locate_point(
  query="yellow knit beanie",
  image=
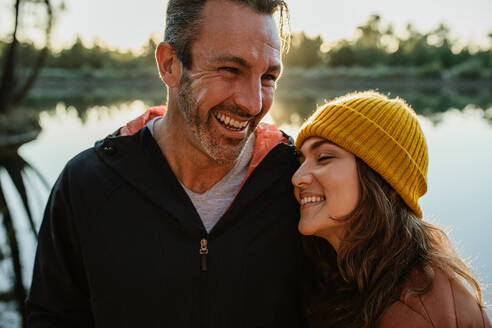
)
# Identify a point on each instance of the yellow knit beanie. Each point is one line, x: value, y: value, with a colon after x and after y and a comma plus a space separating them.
x: 383, y: 132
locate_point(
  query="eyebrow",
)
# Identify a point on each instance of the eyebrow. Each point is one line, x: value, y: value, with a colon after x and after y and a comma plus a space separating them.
x: 240, y: 61
x: 317, y: 144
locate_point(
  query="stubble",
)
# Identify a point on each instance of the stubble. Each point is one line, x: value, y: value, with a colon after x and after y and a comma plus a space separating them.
x: 222, y: 150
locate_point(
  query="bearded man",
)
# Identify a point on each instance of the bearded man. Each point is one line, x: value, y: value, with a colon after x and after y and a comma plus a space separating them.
x: 189, y: 221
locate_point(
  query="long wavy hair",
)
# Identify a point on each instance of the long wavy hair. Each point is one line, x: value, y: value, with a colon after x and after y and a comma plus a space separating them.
x: 384, y: 242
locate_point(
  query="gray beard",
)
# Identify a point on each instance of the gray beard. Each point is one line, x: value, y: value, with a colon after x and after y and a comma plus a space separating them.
x: 196, y: 125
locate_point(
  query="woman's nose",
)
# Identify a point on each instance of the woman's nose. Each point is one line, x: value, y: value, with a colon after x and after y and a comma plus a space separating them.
x: 302, y: 177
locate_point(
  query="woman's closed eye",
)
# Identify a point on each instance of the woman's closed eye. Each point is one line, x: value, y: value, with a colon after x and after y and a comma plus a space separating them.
x: 325, y: 157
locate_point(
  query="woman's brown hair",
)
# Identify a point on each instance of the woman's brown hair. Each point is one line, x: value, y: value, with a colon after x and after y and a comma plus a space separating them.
x: 384, y: 242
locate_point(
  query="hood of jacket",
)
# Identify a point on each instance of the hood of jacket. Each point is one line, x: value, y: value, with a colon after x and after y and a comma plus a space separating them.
x: 267, y: 135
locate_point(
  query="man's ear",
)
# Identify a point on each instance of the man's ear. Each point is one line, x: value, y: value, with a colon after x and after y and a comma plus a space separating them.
x: 169, y: 64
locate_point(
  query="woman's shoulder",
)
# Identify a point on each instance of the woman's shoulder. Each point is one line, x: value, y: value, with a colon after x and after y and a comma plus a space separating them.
x: 400, y: 314
x: 447, y: 303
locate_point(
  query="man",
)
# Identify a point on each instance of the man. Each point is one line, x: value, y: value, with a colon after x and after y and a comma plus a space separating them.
x: 191, y: 221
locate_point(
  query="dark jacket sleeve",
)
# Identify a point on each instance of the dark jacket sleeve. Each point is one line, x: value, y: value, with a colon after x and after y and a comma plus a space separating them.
x: 59, y: 294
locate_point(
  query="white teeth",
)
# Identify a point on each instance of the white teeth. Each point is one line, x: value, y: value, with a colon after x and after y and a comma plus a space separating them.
x: 230, y: 121
x: 311, y: 200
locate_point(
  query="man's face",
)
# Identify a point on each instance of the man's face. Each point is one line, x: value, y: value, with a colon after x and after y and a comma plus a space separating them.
x: 230, y: 86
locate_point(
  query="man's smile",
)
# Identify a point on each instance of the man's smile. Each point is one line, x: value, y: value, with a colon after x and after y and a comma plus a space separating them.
x: 231, y: 123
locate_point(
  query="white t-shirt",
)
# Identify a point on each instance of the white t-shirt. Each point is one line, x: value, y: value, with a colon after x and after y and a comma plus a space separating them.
x: 213, y: 203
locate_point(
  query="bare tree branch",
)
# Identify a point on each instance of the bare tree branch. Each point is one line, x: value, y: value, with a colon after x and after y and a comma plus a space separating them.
x: 19, y: 290
x: 8, y: 82
x: 7, y: 296
x: 22, y: 92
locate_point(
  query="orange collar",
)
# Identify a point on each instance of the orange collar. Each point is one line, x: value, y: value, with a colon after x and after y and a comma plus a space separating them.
x: 267, y: 135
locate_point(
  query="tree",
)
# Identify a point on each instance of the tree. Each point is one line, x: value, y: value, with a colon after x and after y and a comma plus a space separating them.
x: 370, y: 33
x: 368, y: 49
x: 12, y: 89
x: 304, y: 52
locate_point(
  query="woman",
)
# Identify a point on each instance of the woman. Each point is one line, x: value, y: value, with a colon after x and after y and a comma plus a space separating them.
x: 375, y: 262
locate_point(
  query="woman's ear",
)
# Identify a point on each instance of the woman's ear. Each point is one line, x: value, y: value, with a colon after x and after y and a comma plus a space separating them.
x: 169, y: 64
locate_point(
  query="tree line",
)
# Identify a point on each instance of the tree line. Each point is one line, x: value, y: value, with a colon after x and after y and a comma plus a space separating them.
x: 432, y: 54
x: 81, y: 56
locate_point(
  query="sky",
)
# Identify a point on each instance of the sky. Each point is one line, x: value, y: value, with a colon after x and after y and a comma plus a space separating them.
x: 128, y: 24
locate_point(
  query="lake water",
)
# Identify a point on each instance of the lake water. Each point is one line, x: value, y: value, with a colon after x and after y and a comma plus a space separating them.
x: 458, y: 127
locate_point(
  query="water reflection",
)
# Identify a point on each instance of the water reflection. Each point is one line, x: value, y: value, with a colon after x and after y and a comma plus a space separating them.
x: 295, y: 106
x: 15, y: 179
x: 84, y: 95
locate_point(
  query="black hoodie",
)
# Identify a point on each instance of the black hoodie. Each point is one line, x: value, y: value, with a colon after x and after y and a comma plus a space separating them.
x: 121, y: 245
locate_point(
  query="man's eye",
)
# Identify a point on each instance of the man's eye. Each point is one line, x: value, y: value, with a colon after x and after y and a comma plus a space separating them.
x: 229, y: 69
x: 270, y: 77
x: 269, y: 80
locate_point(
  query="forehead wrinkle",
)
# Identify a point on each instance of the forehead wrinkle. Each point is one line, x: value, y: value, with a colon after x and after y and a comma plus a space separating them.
x: 231, y: 58
x: 243, y: 62
x: 260, y: 35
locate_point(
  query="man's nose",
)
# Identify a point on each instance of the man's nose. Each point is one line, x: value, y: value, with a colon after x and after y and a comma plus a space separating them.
x: 302, y: 177
x: 249, y: 96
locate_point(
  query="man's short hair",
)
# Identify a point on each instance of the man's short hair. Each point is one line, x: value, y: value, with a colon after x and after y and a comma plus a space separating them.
x: 183, y: 22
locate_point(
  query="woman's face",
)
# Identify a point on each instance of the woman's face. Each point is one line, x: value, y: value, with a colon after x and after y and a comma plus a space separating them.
x: 327, y: 187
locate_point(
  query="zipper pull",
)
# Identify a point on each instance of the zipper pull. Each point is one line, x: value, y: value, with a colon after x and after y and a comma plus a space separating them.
x: 203, y: 253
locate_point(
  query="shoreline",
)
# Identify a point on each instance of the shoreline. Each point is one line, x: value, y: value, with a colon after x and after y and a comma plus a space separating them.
x: 78, y: 81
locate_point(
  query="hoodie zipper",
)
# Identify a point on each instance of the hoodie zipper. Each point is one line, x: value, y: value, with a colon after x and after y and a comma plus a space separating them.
x: 203, y: 254
x: 204, y: 293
